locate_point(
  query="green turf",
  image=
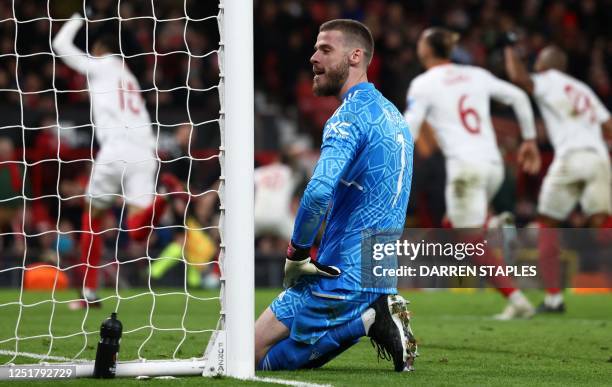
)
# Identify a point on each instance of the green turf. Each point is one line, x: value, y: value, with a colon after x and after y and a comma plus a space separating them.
x: 458, y: 341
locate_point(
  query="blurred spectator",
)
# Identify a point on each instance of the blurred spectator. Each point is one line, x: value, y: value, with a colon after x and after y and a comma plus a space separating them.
x: 11, y: 183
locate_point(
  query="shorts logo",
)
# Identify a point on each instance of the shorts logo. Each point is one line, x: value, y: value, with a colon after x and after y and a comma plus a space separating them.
x: 314, y: 355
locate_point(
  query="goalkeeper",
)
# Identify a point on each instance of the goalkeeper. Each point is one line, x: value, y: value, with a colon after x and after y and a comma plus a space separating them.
x: 126, y: 164
x: 363, y: 176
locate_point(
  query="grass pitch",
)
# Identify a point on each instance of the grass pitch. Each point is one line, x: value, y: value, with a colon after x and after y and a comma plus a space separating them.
x: 459, y: 343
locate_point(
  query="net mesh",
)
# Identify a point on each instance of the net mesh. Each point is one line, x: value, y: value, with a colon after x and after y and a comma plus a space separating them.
x: 48, y: 132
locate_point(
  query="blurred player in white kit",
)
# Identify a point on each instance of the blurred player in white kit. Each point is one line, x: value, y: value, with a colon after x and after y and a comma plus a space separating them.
x: 455, y: 101
x: 275, y: 195
x: 126, y: 164
x: 580, y: 171
x: 274, y: 187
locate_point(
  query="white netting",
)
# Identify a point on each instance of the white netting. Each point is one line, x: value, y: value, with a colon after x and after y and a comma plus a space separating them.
x: 154, y: 285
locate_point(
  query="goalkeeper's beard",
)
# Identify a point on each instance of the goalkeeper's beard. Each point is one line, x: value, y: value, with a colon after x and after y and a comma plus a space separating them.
x: 335, y: 78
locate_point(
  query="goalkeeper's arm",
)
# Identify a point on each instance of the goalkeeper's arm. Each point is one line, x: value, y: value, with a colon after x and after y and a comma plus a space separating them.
x: 308, y: 220
x: 337, y: 152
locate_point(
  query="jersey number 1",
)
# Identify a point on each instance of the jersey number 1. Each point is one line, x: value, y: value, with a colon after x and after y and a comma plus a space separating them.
x: 400, y: 179
x: 472, y: 125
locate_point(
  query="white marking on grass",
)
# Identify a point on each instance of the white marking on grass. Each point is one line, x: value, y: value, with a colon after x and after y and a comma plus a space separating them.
x: 39, y: 356
x: 294, y: 383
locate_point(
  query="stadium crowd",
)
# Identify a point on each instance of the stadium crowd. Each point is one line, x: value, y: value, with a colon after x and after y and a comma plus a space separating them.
x: 284, y: 73
x: 286, y: 110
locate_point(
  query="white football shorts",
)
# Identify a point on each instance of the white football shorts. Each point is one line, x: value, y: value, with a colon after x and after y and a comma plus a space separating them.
x: 470, y: 186
x: 280, y: 226
x: 581, y: 176
x: 113, y: 176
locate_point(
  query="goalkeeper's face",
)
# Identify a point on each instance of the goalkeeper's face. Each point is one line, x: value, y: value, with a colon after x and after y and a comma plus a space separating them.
x: 330, y: 64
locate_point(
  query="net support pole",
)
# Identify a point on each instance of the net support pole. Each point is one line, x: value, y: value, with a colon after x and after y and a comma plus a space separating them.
x: 239, y: 289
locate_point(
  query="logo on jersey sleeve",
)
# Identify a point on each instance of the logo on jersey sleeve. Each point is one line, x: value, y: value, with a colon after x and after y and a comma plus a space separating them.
x: 337, y: 130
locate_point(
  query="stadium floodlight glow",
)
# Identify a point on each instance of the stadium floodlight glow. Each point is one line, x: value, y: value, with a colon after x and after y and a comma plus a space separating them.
x: 230, y: 349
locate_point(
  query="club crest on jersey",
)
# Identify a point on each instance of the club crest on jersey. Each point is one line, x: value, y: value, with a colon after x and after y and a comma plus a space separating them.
x: 335, y: 129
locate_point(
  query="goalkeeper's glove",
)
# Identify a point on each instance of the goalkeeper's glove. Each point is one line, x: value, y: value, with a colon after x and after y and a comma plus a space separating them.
x: 299, y: 263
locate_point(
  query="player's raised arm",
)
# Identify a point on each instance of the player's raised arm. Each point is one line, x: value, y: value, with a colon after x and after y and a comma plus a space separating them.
x: 64, y: 47
x: 517, y: 72
x: 507, y: 93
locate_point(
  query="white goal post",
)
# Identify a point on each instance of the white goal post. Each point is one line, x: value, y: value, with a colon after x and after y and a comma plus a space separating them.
x: 238, y: 301
x: 230, y: 350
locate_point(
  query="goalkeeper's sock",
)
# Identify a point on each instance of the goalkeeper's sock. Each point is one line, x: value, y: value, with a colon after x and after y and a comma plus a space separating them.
x: 139, y: 224
x: 91, y: 249
x: 289, y: 354
x: 324, y: 359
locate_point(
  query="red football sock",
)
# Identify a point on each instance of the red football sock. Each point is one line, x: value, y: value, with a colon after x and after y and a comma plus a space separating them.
x: 504, y: 284
x: 139, y: 224
x: 91, y: 249
x: 604, y: 233
x: 548, y: 247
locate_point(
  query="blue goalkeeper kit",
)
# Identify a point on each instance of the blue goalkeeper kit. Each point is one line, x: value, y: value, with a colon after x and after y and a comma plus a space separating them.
x: 364, y: 172
x: 360, y: 186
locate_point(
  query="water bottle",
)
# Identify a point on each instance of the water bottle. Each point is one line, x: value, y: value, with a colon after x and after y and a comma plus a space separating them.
x: 108, y: 348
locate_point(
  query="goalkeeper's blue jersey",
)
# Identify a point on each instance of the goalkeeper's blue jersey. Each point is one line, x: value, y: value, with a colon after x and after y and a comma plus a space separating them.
x: 361, y: 182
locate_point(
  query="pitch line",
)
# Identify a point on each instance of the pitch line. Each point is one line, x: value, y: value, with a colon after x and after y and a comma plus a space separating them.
x: 294, y: 383
x: 38, y: 356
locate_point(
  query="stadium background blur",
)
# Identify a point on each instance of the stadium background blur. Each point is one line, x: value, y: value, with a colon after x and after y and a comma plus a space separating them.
x: 286, y: 112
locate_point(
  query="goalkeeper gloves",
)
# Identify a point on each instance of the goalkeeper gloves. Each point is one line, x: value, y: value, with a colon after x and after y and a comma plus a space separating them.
x: 299, y: 263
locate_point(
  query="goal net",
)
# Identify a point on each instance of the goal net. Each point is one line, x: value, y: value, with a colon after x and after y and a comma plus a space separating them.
x: 184, y: 292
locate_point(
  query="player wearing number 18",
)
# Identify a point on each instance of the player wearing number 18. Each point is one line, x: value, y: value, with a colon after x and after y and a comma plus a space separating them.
x: 455, y: 100
x: 126, y: 163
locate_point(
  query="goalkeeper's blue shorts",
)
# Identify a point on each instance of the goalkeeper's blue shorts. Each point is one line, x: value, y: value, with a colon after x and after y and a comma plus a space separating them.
x: 309, y: 316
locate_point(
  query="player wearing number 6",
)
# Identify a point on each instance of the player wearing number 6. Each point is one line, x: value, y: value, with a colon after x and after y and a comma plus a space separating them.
x: 126, y: 163
x: 455, y: 100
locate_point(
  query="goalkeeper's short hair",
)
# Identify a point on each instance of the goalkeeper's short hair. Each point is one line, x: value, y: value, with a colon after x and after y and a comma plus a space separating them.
x: 355, y: 31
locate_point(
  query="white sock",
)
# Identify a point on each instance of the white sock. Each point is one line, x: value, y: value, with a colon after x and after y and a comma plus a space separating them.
x: 553, y: 300
x: 368, y: 318
x: 89, y: 294
x: 517, y: 298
